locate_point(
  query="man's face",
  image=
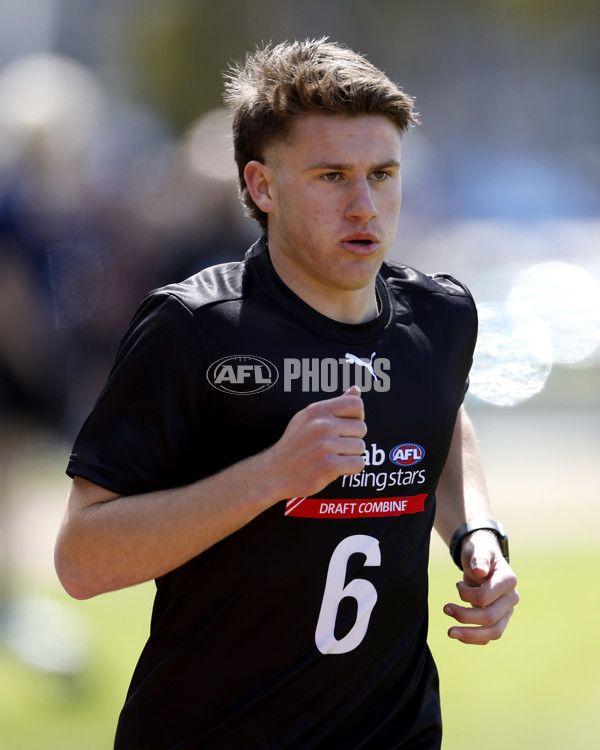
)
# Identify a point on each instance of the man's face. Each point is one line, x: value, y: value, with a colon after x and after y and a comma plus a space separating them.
x: 335, y: 194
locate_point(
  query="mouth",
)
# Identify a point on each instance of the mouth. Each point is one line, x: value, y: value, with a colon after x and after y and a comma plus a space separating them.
x: 361, y: 244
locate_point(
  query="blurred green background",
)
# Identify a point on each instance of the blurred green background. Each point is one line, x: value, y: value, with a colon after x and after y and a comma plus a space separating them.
x: 116, y: 177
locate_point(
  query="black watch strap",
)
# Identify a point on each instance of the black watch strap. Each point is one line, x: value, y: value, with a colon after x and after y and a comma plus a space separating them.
x: 468, y: 528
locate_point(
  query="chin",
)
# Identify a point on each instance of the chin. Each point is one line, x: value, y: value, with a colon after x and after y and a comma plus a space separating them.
x: 361, y: 273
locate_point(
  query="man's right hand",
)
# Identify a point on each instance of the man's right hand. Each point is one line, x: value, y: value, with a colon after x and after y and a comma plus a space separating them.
x: 322, y: 442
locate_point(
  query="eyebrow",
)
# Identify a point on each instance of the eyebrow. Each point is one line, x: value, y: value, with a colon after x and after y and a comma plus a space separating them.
x: 332, y: 167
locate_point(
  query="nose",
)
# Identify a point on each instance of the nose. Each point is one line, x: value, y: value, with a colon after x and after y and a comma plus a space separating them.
x: 360, y: 203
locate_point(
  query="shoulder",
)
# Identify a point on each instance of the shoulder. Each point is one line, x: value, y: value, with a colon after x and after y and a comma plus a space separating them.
x: 430, y: 300
x: 399, y: 277
x: 223, y: 283
x: 212, y: 285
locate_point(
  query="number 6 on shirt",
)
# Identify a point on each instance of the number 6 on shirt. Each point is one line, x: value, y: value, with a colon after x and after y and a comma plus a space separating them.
x: 359, y: 589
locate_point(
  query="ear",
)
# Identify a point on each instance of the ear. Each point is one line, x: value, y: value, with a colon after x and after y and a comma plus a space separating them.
x: 258, y: 181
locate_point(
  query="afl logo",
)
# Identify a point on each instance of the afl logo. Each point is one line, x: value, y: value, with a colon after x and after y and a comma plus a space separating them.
x: 407, y: 454
x: 242, y: 374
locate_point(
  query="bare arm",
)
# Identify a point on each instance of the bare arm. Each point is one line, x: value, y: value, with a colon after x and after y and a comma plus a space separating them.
x: 462, y: 493
x: 489, y: 584
x: 108, y: 542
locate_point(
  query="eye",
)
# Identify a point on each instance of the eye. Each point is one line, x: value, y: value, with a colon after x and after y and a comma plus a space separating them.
x: 380, y: 175
x: 331, y: 176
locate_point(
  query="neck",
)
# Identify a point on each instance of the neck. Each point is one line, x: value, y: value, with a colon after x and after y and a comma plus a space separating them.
x: 345, y: 306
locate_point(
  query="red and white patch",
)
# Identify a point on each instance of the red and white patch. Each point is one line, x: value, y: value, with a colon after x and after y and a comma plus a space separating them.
x: 311, y: 507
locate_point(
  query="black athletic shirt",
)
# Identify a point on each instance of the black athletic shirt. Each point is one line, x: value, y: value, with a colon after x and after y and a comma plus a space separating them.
x: 306, y: 628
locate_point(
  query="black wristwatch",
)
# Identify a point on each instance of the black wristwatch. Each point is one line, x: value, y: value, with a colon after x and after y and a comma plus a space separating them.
x: 468, y: 528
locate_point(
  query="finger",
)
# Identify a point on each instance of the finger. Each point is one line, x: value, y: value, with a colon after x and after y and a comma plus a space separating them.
x: 477, y: 595
x: 480, y: 636
x: 479, y: 566
x: 351, y: 428
x: 478, y: 554
x: 486, y: 616
x: 348, y: 464
x: 501, y: 583
x: 341, y: 407
x: 350, y: 404
x: 350, y: 446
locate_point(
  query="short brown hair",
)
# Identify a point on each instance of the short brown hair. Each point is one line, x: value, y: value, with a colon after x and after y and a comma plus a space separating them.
x: 277, y: 84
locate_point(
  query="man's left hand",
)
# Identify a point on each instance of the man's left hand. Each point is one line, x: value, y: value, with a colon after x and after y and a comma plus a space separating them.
x: 489, y: 585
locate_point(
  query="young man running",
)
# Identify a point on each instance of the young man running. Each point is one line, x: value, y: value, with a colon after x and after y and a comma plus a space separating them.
x: 278, y: 437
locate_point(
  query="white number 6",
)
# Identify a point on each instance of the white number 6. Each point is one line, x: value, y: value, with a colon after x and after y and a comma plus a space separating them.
x: 360, y: 589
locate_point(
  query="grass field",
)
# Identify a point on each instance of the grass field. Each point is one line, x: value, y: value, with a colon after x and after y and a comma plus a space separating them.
x: 538, y: 687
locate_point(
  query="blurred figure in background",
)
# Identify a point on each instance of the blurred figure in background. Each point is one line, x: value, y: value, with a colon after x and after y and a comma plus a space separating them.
x: 50, y: 109
x: 98, y: 205
x: 196, y: 213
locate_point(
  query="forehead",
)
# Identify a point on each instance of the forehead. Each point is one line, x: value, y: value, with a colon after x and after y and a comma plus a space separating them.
x: 327, y: 138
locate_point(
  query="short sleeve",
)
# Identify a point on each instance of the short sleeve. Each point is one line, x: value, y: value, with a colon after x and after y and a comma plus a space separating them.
x: 453, y: 286
x: 144, y: 430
